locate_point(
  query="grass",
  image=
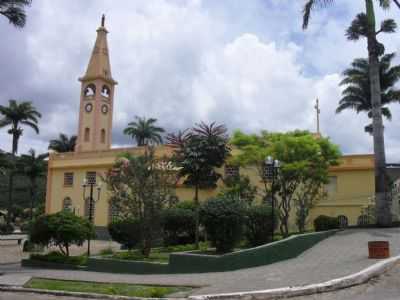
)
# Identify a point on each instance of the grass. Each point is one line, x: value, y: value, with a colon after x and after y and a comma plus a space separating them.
x: 159, y: 255
x: 121, y: 289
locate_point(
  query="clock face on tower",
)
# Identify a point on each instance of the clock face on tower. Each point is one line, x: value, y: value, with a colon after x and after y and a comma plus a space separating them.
x: 88, y: 107
x: 104, y: 109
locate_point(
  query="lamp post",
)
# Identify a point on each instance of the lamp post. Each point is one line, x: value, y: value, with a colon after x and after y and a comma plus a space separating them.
x: 271, y: 173
x: 91, y: 185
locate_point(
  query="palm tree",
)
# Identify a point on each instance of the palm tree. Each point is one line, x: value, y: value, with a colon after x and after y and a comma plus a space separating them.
x: 375, y: 49
x: 14, y: 11
x: 357, y: 94
x: 15, y: 115
x: 33, y: 167
x: 144, y: 131
x: 63, y: 143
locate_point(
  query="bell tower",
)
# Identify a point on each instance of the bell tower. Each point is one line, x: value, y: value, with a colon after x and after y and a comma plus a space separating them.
x: 97, y: 98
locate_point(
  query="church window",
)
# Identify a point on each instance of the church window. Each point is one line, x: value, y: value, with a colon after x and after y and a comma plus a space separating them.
x: 103, y: 136
x: 90, y: 90
x: 91, y: 177
x: 68, y: 179
x: 113, y: 212
x: 343, y: 221
x: 105, y: 91
x: 331, y: 187
x: 87, y: 134
x: 67, y: 204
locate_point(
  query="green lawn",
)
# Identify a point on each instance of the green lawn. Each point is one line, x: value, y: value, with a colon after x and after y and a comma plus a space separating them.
x: 121, y: 289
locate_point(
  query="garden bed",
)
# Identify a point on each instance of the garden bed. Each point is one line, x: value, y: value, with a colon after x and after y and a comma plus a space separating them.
x: 120, y: 289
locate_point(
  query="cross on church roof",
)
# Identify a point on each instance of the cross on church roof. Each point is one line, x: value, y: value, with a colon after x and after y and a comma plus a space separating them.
x: 103, y: 20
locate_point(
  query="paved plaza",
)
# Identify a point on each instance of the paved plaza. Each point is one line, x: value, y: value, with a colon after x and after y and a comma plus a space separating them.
x: 342, y: 254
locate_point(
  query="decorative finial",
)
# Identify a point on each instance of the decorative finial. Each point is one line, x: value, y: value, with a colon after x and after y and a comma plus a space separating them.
x: 103, y: 20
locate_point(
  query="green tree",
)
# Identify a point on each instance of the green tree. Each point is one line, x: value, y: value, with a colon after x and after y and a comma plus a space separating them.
x: 63, y: 143
x: 14, y: 11
x: 140, y: 188
x: 375, y: 49
x: 300, y: 154
x: 144, y: 131
x: 33, y: 167
x: 15, y: 115
x: 61, y: 229
x: 357, y: 94
x: 197, y: 153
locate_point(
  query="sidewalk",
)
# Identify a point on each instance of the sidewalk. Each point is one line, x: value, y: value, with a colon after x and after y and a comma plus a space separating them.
x: 342, y: 254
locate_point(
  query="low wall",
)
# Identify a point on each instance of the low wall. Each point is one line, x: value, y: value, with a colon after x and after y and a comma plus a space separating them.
x: 190, y: 262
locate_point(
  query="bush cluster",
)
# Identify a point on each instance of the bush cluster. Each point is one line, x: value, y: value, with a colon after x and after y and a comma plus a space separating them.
x: 258, y: 223
x: 223, y: 219
x: 59, y: 258
x: 178, y: 226
x: 127, y: 232
x: 6, y: 228
x: 323, y: 222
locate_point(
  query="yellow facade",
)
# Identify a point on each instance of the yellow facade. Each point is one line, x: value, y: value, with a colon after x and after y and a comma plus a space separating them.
x: 350, y: 191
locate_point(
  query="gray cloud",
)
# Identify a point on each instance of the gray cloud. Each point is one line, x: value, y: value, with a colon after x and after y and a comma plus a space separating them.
x: 246, y: 64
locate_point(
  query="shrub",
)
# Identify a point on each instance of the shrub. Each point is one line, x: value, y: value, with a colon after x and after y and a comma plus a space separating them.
x: 223, y: 219
x: 126, y: 232
x: 6, y: 228
x: 57, y: 257
x: 186, y: 204
x: 25, y: 226
x: 61, y: 229
x: 259, y: 224
x: 178, y: 226
x: 322, y: 223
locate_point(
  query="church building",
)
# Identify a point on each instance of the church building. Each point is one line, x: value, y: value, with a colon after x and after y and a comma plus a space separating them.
x: 350, y: 191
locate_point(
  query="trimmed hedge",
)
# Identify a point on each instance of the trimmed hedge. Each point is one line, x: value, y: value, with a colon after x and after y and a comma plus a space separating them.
x: 322, y: 223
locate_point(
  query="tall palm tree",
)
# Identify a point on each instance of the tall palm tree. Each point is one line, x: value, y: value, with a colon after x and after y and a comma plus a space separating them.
x: 33, y: 167
x: 63, y: 143
x: 357, y: 94
x: 144, y: 131
x: 375, y: 49
x: 15, y: 115
x: 14, y: 11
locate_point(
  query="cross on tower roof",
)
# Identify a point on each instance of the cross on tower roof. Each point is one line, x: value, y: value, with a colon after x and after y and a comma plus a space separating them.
x: 103, y: 20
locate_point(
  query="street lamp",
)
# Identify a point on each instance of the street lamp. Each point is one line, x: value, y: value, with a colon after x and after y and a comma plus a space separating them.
x: 271, y: 173
x: 91, y: 185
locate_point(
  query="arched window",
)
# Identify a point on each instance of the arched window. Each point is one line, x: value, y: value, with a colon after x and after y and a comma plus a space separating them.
x: 90, y: 90
x: 363, y: 220
x: 105, y: 91
x: 103, y: 136
x: 343, y: 221
x: 87, y: 134
x: 67, y: 204
x: 87, y: 208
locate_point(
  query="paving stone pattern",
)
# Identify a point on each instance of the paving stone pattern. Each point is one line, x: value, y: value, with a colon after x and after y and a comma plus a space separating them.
x: 342, y: 254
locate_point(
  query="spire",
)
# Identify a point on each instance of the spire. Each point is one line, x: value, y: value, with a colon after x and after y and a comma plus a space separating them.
x: 99, y: 64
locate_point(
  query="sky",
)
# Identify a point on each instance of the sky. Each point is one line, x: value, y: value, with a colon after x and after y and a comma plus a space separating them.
x: 246, y: 64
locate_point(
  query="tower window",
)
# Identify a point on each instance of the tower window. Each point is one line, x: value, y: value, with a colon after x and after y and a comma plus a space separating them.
x: 87, y: 134
x: 105, y: 91
x: 103, y: 136
x: 90, y: 90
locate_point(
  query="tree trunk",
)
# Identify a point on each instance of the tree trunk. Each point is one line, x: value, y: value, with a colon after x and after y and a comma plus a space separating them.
x: 14, y: 150
x: 383, y: 213
x: 197, y: 216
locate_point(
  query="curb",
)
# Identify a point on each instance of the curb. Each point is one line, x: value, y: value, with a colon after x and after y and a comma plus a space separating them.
x: 75, y: 294
x: 328, y: 286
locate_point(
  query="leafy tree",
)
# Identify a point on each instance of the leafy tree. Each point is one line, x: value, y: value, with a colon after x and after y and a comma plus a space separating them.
x: 178, y: 226
x: 14, y: 11
x: 15, y: 115
x: 197, y: 153
x: 144, y: 131
x: 33, y: 167
x: 140, y: 187
x: 365, y: 26
x: 63, y: 143
x: 240, y: 188
x: 61, y: 229
x: 300, y: 153
x: 223, y: 219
